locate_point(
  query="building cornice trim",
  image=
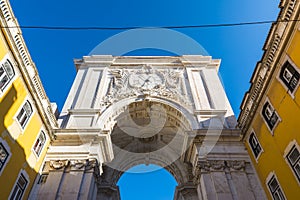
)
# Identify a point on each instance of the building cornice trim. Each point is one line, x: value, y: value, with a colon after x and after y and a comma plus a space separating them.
x: 275, y: 44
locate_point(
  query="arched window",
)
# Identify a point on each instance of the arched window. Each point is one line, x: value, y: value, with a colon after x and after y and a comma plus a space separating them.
x: 289, y: 76
x: 6, y: 74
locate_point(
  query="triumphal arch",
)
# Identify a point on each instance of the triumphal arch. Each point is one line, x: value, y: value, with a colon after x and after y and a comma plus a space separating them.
x: 171, y: 111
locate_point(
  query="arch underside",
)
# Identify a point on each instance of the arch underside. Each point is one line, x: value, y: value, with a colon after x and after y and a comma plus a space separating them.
x: 108, y: 118
x: 141, y: 143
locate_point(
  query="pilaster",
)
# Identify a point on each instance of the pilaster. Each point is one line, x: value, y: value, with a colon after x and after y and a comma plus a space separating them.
x: 224, y: 179
x: 68, y: 179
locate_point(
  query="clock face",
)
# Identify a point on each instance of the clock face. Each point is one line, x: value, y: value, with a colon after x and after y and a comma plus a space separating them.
x: 145, y: 81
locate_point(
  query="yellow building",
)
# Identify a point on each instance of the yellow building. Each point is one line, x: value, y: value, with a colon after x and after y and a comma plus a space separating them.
x: 25, y: 112
x: 270, y: 111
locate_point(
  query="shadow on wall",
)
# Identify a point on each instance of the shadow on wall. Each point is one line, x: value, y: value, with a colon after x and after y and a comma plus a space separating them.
x: 16, y: 162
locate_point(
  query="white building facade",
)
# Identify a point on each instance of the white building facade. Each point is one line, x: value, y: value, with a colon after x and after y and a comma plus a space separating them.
x: 168, y: 111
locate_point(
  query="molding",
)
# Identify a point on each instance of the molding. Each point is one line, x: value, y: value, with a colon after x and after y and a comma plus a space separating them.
x: 81, y: 144
x: 181, y: 61
x: 210, y: 113
x: 84, y: 111
x: 226, y: 134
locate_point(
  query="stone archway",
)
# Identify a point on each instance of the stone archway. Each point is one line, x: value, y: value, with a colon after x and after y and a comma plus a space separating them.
x: 165, y: 148
x: 198, y: 142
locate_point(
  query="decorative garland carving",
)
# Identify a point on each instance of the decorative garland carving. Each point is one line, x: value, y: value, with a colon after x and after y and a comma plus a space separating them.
x: 217, y: 166
x: 77, y: 164
x: 204, y: 166
x: 85, y: 164
x: 59, y: 164
x: 236, y: 165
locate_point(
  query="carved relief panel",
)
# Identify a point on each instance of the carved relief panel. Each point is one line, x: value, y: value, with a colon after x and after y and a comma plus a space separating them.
x: 146, y: 80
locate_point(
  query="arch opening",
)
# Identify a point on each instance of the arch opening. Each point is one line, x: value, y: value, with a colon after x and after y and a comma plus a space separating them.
x: 148, y: 133
x: 138, y: 183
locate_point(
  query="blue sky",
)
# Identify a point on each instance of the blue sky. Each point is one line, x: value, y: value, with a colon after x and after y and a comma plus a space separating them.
x: 53, y: 51
x: 158, y: 184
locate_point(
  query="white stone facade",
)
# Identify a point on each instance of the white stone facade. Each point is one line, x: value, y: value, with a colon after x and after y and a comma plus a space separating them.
x: 169, y: 111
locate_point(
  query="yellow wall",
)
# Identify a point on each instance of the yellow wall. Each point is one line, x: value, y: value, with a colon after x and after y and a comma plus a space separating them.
x: 288, y: 129
x: 21, y: 148
x: 3, y: 47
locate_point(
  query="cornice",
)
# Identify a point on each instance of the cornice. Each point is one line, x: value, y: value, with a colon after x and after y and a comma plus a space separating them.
x: 274, y: 46
x: 176, y: 61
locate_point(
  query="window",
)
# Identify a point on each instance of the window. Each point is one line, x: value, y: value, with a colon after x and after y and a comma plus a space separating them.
x: 24, y: 114
x: 3, y: 156
x: 39, y: 143
x: 254, y: 144
x: 43, y: 179
x: 270, y: 115
x: 275, y: 189
x: 293, y: 158
x: 290, y: 76
x: 6, y: 74
x: 19, y: 188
